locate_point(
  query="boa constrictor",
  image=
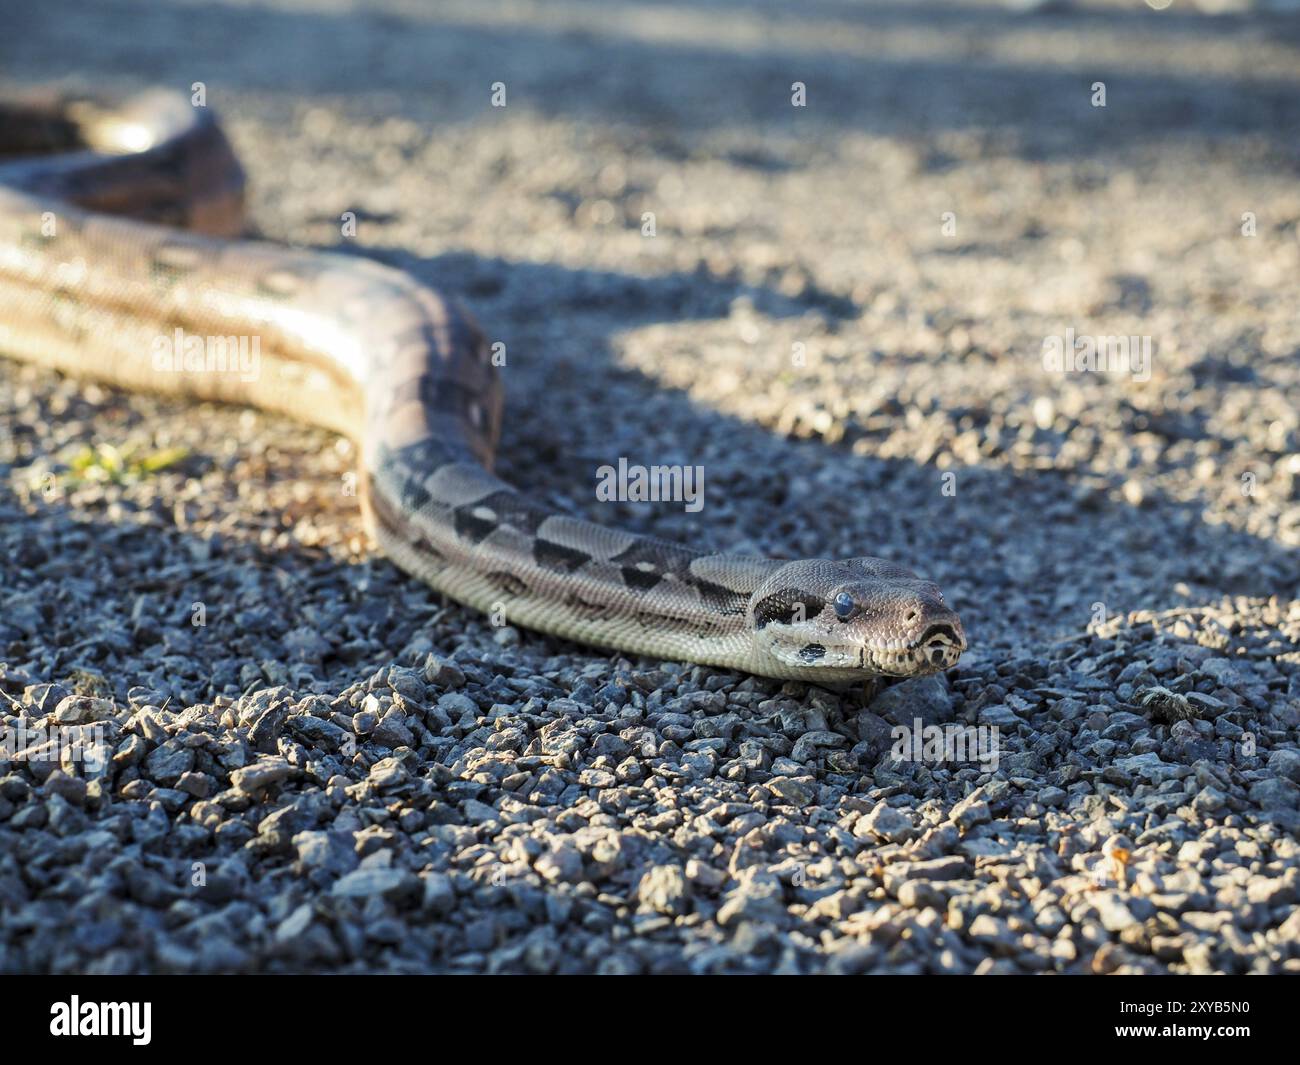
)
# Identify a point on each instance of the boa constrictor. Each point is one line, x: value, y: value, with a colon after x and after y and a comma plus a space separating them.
x: 368, y: 351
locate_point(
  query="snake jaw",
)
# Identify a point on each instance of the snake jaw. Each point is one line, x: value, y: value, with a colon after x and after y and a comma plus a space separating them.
x: 937, y: 649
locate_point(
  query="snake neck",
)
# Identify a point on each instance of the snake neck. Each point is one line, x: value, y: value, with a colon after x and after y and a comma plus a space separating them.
x: 476, y: 538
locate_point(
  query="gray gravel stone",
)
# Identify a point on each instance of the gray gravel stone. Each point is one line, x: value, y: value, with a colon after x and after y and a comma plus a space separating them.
x: 1285, y: 762
x: 925, y: 698
x: 885, y: 823
x: 261, y: 774
x: 365, y: 883
x: 663, y: 890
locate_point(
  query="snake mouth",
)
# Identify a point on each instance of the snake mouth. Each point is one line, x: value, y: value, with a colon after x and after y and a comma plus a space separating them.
x: 936, y: 649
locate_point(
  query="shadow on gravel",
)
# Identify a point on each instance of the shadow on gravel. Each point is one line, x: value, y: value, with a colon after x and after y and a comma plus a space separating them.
x: 1028, y: 535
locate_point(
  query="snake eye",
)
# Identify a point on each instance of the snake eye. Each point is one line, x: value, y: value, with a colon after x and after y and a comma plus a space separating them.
x: 844, y: 605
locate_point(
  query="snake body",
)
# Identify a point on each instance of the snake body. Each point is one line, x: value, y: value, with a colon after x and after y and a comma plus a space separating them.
x: 119, y: 244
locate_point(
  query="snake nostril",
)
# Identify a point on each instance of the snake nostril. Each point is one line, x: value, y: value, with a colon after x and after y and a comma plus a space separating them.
x: 912, y: 615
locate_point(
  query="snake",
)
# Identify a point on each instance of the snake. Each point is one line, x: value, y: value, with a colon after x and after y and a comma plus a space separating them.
x: 124, y: 258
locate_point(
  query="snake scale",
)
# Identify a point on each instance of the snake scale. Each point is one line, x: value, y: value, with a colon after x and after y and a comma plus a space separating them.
x: 119, y: 227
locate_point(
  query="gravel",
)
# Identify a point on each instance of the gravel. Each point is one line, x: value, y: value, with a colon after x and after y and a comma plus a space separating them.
x: 336, y: 770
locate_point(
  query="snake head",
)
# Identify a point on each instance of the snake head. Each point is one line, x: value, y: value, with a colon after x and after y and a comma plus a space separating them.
x: 861, y: 616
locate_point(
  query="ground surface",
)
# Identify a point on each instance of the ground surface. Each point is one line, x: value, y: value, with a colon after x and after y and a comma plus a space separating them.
x: 514, y: 803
